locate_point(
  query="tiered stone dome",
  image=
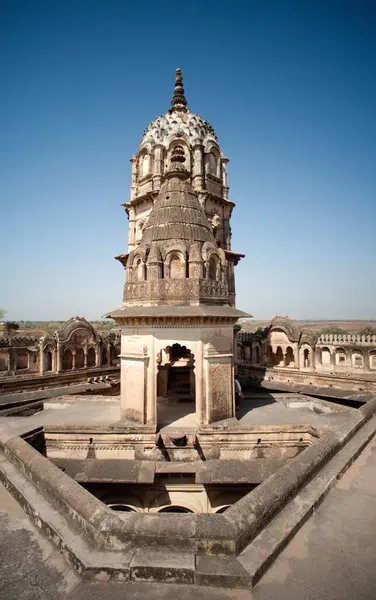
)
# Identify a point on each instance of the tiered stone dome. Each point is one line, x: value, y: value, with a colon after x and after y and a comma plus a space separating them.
x: 177, y: 260
x: 177, y: 213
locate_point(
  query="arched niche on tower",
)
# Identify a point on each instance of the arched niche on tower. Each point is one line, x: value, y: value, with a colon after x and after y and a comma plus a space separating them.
x: 214, y: 261
x: 137, y: 266
x: 182, y: 142
x: 175, y: 264
x: 145, y: 161
x: 212, y: 160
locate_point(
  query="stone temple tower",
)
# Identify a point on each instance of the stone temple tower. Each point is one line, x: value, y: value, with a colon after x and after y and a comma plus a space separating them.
x: 178, y: 315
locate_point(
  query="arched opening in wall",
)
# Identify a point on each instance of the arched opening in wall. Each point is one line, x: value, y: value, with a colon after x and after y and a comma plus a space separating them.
x: 279, y: 357
x: 325, y: 357
x: 175, y: 386
x: 340, y: 357
x: 144, y: 167
x: 3, y: 361
x: 48, y: 360
x: 91, y: 357
x: 175, y: 509
x: 104, y: 356
x: 22, y: 359
x: 121, y: 507
x: 357, y: 359
x: 211, y: 163
x: 306, y: 359
x: 80, y: 358
x: 214, y: 267
x: 222, y: 509
x: 257, y: 355
x: 290, y: 358
x: 138, y: 270
x: 177, y: 267
x: 270, y: 356
x: 67, y: 363
x: 372, y: 359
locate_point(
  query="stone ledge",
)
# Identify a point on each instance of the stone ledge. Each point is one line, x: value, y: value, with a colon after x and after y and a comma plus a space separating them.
x: 149, y: 565
x: 213, y: 535
x: 258, y: 556
x: 221, y: 571
x: 171, y: 566
x: 88, y: 562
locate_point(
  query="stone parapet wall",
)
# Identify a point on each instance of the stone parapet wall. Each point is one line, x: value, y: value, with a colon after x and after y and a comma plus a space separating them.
x: 173, y: 291
x: 284, y: 346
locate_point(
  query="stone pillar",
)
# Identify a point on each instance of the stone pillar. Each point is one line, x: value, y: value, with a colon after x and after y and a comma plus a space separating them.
x: 74, y: 360
x: 58, y: 358
x: 224, y: 162
x: 133, y: 176
x: 219, y: 375
x: 97, y: 356
x: 131, y: 233
x: 158, y: 166
x: 85, y: 358
x: 197, y: 171
x: 296, y: 357
x: 41, y: 360
x: 136, y: 398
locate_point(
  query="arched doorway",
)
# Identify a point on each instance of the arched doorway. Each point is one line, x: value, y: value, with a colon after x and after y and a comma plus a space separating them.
x: 121, y: 507
x: 325, y: 357
x: 279, y: 357
x: 290, y: 359
x: 91, y: 357
x: 306, y: 361
x: 222, y: 509
x: 80, y: 358
x: 175, y: 384
x: 270, y: 356
x: 48, y: 360
x: 67, y: 360
x: 175, y: 509
x: 104, y: 356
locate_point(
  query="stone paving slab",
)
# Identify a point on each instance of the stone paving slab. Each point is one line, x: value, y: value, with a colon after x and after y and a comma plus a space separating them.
x: 150, y: 565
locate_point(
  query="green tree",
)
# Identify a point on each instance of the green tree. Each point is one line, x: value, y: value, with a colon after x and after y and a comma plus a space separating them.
x: 2, y: 313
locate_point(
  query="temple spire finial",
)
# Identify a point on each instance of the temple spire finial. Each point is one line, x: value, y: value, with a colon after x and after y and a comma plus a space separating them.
x: 178, y: 101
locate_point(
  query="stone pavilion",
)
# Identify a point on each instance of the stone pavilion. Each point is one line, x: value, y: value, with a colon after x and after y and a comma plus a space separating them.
x: 178, y: 314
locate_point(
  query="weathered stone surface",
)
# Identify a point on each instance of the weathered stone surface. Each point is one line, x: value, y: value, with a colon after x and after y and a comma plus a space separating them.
x: 149, y: 565
x: 221, y: 572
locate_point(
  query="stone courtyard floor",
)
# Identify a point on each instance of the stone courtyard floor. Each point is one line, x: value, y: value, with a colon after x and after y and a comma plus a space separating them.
x: 256, y: 409
x: 332, y: 557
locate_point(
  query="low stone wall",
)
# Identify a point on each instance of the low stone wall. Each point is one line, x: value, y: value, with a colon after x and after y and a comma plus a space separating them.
x: 200, y: 533
x: 324, y: 384
x: 34, y: 381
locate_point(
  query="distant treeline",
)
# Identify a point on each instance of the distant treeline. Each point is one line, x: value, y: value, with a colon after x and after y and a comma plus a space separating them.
x: 53, y: 325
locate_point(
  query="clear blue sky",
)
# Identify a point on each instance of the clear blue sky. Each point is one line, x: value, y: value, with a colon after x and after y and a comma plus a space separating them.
x: 289, y: 87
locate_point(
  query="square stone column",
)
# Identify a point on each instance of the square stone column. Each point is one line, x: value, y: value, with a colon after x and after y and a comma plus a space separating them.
x: 219, y: 380
x: 133, y: 379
